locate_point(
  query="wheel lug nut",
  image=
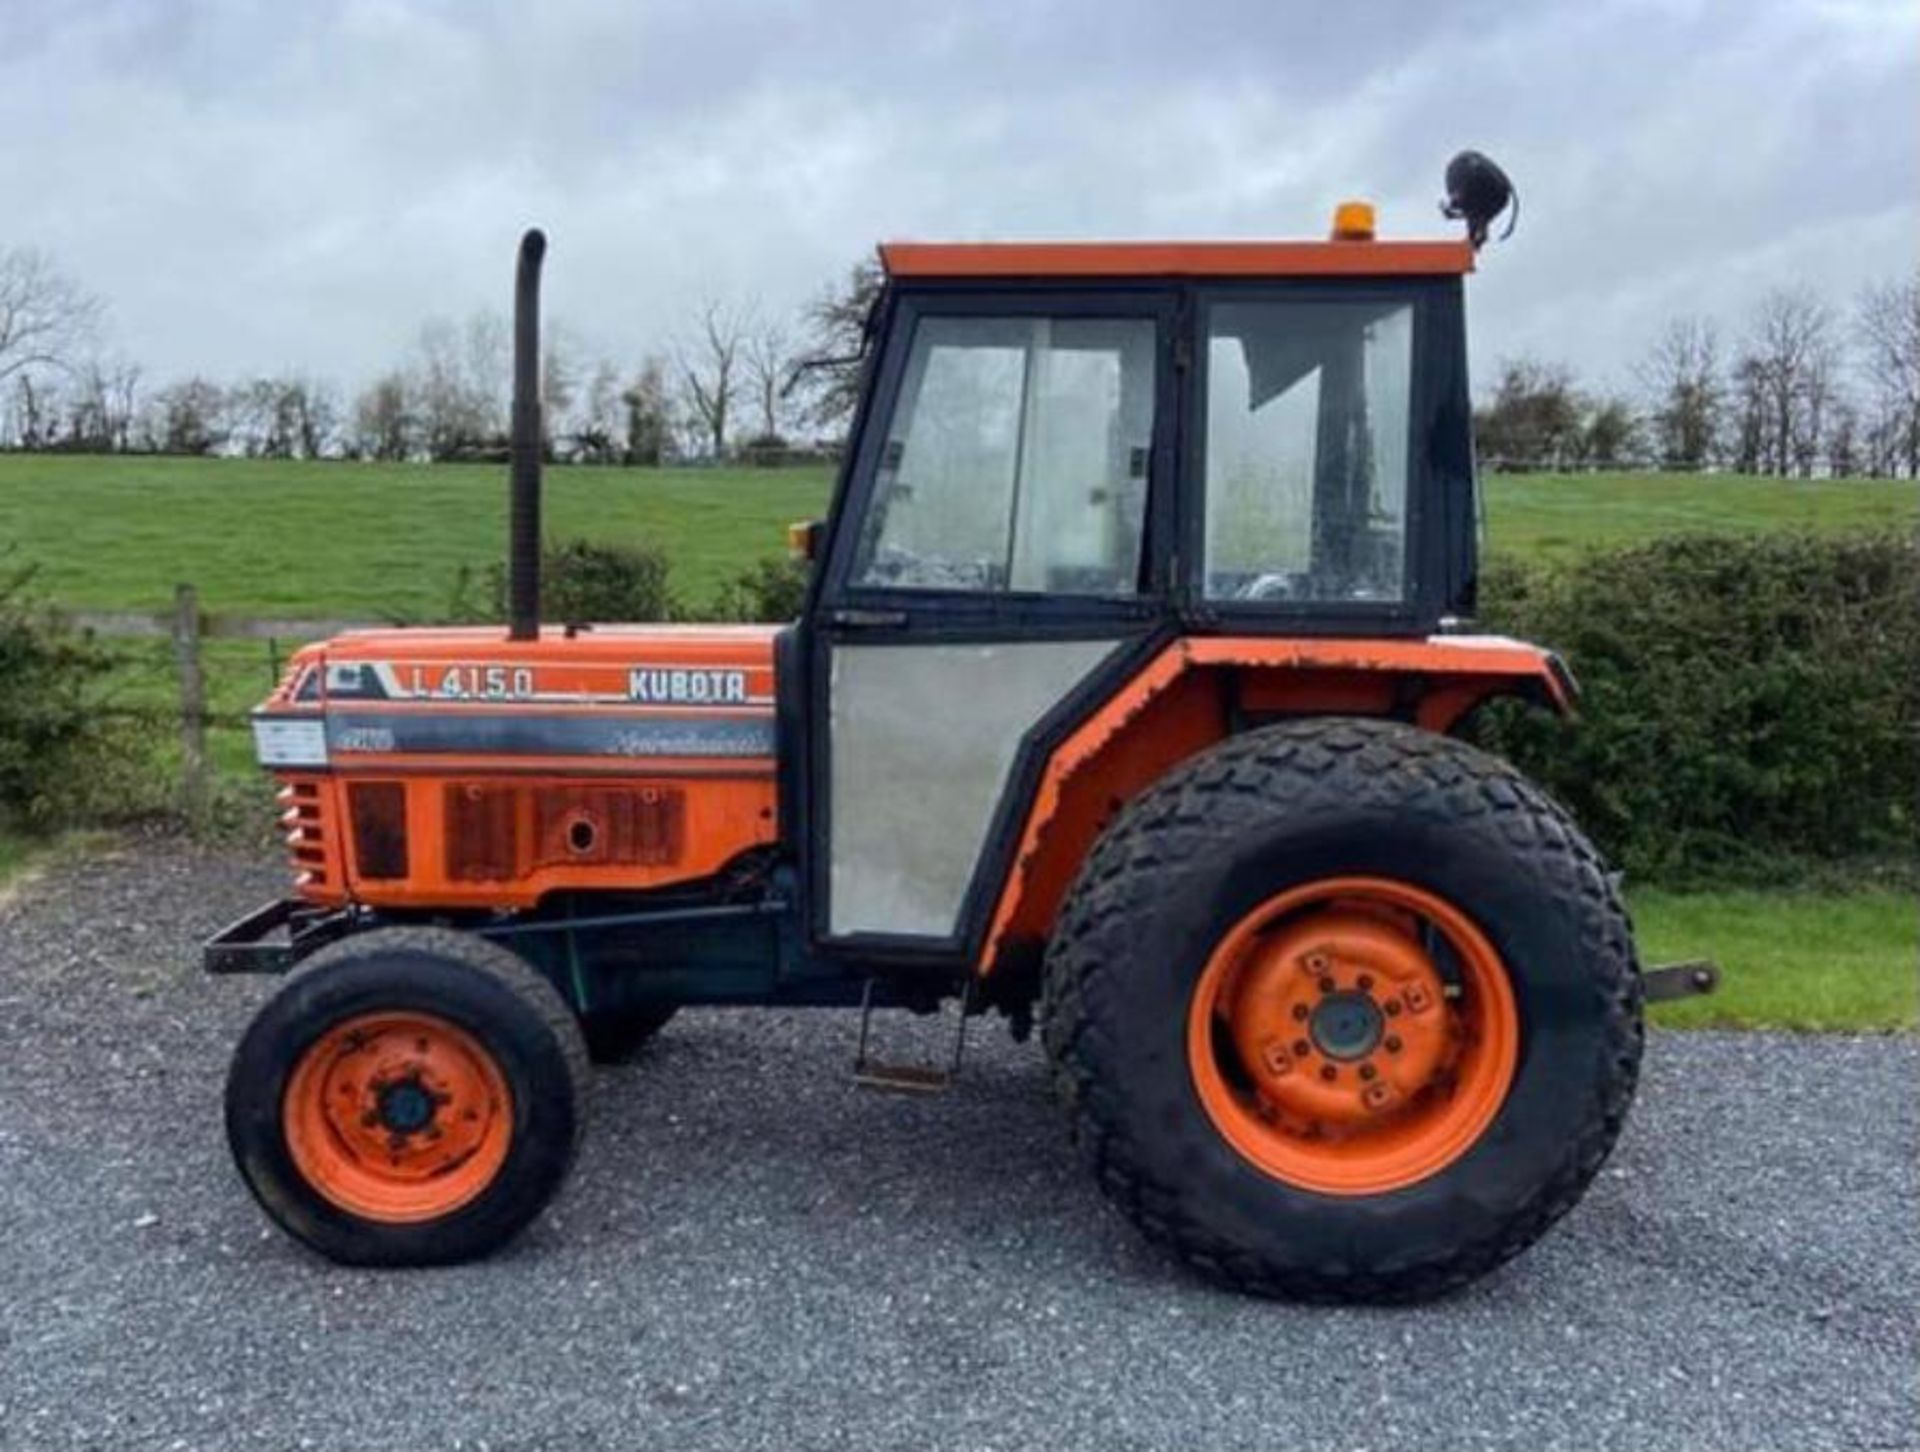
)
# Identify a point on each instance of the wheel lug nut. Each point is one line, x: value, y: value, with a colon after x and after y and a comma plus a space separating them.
x: 1329, y: 1073
x: 1326, y: 985
x: 1392, y: 1006
x: 1302, y: 1048
x: 1366, y: 982
x: 1393, y: 1043
x: 1300, y: 1013
x: 1367, y: 1071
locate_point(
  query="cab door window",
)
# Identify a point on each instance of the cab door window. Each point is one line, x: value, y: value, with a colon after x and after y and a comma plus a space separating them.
x: 1015, y: 458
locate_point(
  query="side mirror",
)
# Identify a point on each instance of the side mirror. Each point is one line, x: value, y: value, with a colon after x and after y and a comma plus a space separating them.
x: 803, y: 539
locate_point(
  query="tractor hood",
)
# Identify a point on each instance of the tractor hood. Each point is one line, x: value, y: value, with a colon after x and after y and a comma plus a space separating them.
x: 624, y: 692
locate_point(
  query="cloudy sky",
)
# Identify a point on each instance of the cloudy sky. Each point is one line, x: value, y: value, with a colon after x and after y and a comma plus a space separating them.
x: 299, y: 183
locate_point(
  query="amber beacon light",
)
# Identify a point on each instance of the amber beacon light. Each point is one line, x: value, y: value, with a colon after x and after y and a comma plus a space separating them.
x: 1353, y: 222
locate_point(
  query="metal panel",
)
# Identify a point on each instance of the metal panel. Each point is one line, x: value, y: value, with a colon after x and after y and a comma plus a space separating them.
x: 924, y: 738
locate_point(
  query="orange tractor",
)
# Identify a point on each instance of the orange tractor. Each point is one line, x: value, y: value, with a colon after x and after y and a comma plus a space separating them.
x: 1125, y: 693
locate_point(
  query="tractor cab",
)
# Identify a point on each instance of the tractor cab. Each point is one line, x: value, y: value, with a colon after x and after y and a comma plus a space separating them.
x: 1071, y: 456
x: 1227, y: 432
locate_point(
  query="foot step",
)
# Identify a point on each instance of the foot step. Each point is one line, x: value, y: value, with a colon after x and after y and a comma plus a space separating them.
x: 870, y: 1073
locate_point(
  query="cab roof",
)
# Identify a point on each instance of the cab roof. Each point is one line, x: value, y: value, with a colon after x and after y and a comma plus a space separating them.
x: 1175, y: 259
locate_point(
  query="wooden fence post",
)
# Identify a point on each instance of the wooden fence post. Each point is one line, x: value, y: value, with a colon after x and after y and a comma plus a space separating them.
x: 193, y: 702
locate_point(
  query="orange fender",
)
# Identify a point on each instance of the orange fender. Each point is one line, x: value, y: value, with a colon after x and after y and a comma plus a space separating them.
x: 1188, y: 698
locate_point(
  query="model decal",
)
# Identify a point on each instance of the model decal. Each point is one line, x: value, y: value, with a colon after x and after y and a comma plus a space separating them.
x: 458, y: 681
x: 478, y: 734
x: 472, y: 682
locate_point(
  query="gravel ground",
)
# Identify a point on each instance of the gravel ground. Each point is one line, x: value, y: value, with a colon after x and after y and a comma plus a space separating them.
x: 754, y: 1254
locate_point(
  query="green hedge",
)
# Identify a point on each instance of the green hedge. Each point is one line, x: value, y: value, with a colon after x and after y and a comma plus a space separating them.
x: 1748, y: 704
x: 583, y: 581
x: 49, y: 727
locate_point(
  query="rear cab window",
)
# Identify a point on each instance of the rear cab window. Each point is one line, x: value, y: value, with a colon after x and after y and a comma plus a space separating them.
x: 1306, y: 454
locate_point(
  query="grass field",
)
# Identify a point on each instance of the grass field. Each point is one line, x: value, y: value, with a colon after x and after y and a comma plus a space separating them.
x: 386, y: 541
x: 363, y: 541
x: 1791, y: 960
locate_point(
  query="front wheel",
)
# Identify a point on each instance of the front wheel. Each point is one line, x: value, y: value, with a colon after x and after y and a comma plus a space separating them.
x: 409, y: 1096
x: 1344, y: 1010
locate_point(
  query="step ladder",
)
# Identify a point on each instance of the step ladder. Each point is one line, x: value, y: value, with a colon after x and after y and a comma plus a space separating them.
x: 871, y: 1073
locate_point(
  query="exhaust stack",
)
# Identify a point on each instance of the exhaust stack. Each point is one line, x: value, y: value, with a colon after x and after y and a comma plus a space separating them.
x: 523, y: 507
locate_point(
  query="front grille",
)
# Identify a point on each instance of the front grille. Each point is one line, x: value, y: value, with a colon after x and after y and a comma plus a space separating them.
x: 378, y: 810
x: 303, y: 817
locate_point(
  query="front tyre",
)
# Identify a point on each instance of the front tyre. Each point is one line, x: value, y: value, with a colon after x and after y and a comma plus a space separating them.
x: 1343, y: 1010
x: 409, y: 1096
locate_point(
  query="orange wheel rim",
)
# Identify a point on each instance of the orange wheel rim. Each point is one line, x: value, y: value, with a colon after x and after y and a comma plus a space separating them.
x: 398, y: 1116
x: 1339, y: 1047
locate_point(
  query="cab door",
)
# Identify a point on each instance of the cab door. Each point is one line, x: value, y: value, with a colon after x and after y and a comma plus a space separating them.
x: 998, y: 564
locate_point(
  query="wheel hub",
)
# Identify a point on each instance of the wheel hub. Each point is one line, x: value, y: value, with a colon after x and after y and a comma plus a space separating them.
x: 405, y: 1107
x: 1346, y: 1025
x: 398, y: 1116
x: 1339, y: 1019
x: 1328, y: 1050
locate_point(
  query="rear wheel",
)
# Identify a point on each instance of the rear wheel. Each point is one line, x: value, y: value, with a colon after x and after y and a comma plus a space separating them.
x: 410, y: 1096
x: 1344, y: 1010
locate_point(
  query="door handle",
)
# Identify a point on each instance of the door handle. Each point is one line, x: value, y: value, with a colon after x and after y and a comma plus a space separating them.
x: 867, y: 619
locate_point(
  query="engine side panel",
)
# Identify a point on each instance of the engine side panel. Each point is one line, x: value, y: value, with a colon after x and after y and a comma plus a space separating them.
x: 465, y: 770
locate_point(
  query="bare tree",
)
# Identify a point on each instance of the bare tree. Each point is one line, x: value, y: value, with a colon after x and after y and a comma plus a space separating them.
x: 1685, y: 393
x: 45, y: 317
x: 30, y: 412
x: 597, y: 432
x: 837, y: 323
x: 383, y: 420
x: 316, y: 415
x: 1887, y: 324
x: 439, y: 390
x: 1533, y: 420
x: 190, y: 417
x: 559, y: 382
x: 767, y: 358
x: 260, y: 419
x: 1787, y: 374
x: 1819, y: 397
x: 1610, y: 434
x: 489, y: 377
x: 1747, y: 436
x: 460, y: 386
x: 104, y: 403
x: 710, y: 373
x: 1843, y: 451
x: 650, y: 422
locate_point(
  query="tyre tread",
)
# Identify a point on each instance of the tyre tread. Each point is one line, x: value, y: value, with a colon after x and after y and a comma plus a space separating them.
x: 1321, y: 764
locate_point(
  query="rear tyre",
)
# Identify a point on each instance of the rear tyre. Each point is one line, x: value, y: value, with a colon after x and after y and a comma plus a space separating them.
x: 410, y: 1096
x: 1344, y: 1010
x: 615, y: 1037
